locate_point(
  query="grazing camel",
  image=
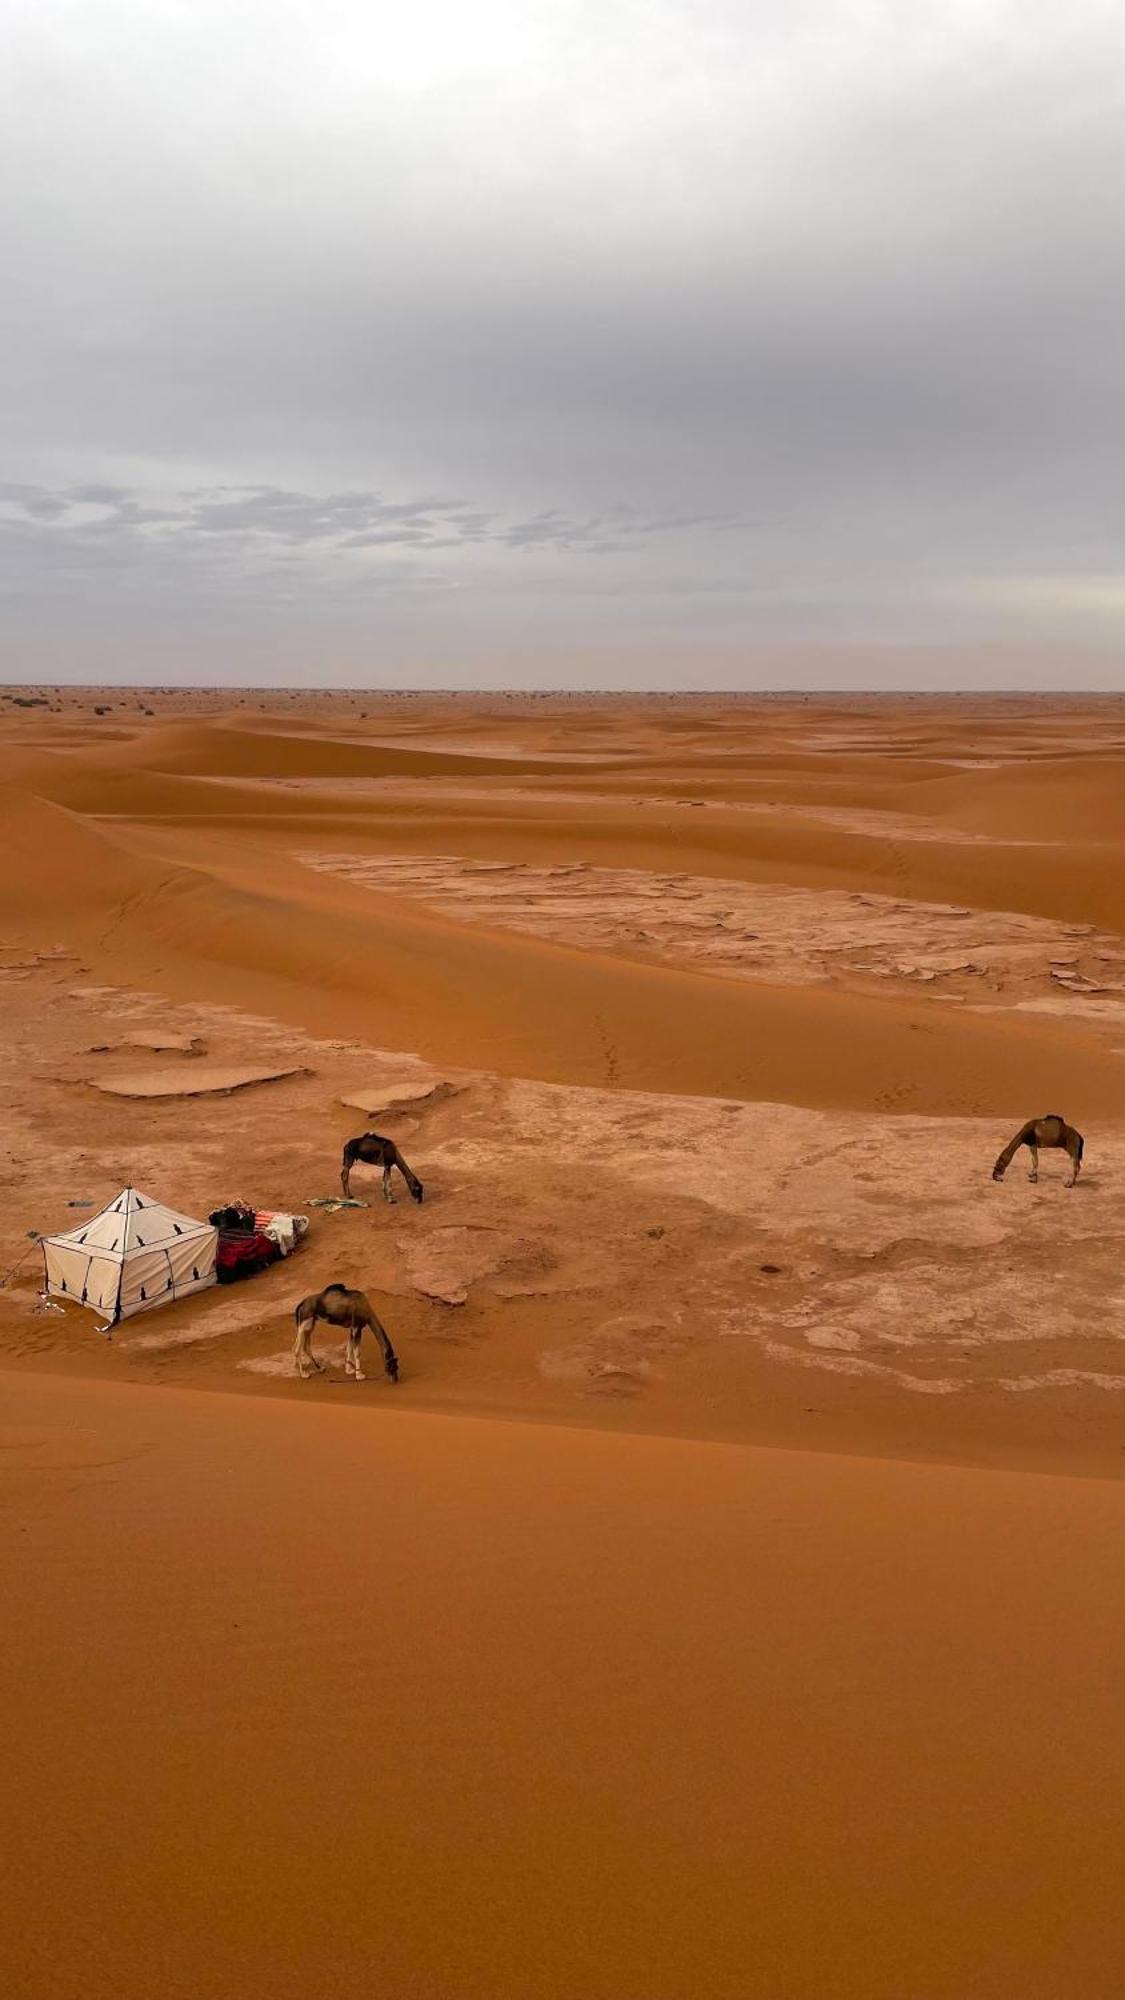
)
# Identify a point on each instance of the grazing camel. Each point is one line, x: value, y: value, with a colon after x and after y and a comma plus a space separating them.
x: 372, y: 1150
x: 1046, y: 1132
x: 338, y: 1306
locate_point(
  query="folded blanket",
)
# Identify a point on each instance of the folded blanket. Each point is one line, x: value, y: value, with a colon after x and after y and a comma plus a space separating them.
x: 240, y: 1255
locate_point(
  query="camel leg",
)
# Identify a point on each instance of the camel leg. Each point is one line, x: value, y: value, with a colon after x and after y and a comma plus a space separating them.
x: 1075, y: 1168
x: 387, y: 1195
x: 414, y: 1185
x: 1034, y: 1174
x: 390, y: 1358
x: 351, y: 1357
x: 346, y: 1180
x: 303, y: 1353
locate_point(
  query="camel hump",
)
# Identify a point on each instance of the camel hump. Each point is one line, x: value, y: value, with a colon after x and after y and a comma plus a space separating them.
x: 1053, y: 1118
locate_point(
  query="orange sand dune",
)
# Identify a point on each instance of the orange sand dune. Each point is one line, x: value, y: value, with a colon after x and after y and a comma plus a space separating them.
x: 60, y: 869
x: 324, y: 1691
x: 197, y: 908
x: 248, y: 752
x: 307, y: 1703
x: 1064, y: 880
x: 281, y: 939
x: 1044, y: 836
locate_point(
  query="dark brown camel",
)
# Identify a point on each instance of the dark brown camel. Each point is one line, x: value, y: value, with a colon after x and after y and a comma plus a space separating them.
x: 338, y: 1306
x: 1046, y: 1133
x: 372, y: 1150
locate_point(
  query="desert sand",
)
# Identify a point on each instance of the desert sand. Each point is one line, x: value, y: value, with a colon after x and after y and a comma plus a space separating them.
x: 726, y: 1598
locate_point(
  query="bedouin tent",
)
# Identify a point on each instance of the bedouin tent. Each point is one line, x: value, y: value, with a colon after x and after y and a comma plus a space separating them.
x: 135, y: 1255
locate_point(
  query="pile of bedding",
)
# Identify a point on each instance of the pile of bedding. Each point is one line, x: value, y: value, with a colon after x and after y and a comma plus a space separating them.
x: 251, y: 1239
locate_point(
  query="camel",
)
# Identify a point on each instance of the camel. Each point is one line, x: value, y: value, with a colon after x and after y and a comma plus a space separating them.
x: 372, y: 1150
x: 338, y: 1306
x: 1046, y: 1132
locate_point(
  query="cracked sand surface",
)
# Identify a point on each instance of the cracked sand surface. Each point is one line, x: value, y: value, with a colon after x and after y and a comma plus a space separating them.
x: 766, y: 932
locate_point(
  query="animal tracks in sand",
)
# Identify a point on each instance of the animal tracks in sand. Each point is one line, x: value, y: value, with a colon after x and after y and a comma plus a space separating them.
x: 61, y: 1448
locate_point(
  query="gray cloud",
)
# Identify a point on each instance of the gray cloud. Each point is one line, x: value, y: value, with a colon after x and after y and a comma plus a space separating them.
x: 702, y: 320
x: 46, y: 531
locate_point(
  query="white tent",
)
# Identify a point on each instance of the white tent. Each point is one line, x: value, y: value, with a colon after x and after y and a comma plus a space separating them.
x: 135, y: 1255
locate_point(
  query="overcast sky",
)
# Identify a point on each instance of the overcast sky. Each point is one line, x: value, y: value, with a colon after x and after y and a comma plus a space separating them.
x: 691, y: 342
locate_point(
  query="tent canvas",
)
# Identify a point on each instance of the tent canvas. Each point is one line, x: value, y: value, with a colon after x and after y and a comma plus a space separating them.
x: 135, y: 1255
